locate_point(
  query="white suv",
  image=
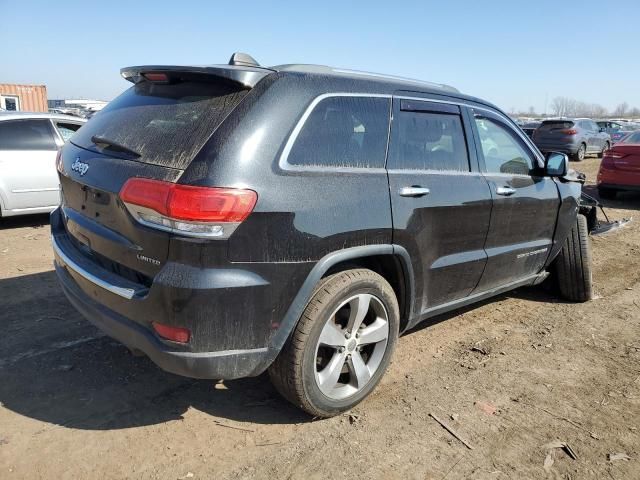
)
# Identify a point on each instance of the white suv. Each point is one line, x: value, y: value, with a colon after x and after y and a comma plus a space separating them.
x: 28, y: 146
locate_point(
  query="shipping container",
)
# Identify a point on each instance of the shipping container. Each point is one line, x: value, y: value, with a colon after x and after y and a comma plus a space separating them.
x: 23, y: 98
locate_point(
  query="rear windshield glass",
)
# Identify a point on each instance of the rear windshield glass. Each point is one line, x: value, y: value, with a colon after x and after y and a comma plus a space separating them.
x: 164, y: 124
x: 553, y: 124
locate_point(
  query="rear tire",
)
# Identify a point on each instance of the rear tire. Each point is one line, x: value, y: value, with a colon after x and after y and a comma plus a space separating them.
x: 580, y: 154
x: 607, y: 193
x: 573, y: 264
x: 324, y: 342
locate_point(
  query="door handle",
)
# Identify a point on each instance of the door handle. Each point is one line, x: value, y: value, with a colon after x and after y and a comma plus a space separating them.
x: 505, y: 191
x: 413, y: 191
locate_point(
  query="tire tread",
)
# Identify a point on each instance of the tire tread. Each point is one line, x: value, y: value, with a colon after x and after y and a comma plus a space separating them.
x: 573, y: 265
x: 286, y: 371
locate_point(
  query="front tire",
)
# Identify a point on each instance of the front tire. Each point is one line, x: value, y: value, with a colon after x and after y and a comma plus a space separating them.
x: 341, y: 346
x: 573, y: 264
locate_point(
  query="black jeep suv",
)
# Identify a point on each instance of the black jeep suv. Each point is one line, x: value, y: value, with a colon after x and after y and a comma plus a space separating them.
x: 231, y: 219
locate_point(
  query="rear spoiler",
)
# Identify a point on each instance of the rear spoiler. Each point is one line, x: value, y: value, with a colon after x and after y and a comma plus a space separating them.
x: 244, y: 76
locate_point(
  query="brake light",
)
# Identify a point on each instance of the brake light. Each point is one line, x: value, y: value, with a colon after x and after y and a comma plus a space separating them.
x: 175, y: 334
x: 569, y: 131
x: 156, y: 77
x: 189, y: 210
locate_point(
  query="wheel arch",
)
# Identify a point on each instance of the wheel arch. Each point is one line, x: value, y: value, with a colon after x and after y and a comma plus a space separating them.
x: 390, y: 261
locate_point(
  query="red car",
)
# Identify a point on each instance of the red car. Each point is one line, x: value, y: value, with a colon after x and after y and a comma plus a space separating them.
x: 620, y: 167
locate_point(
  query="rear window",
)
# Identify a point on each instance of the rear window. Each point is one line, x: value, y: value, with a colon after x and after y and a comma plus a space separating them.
x: 429, y: 141
x: 556, y: 124
x: 164, y: 124
x: 632, y: 138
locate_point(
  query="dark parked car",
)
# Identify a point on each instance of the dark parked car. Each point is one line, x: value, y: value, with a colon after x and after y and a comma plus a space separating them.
x: 576, y: 137
x: 230, y: 219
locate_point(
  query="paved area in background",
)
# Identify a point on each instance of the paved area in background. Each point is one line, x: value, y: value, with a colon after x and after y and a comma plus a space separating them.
x: 510, y: 376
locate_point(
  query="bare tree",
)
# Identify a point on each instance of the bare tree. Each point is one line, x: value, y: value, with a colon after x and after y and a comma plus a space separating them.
x: 561, y: 106
x: 634, y: 112
x: 621, y: 110
x: 598, y: 111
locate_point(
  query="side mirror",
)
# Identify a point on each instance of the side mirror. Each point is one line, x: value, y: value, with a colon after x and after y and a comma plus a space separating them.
x: 556, y: 164
x: 602, y: 130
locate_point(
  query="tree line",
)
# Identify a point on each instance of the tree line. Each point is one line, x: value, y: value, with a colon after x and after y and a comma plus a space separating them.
x: 569, y: 107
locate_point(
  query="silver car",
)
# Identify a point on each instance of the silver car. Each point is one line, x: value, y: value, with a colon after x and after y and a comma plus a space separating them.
x: 29, y: 143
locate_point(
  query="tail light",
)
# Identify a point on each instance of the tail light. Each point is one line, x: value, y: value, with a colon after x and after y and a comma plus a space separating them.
x: 188, y: 210
x: 156, y: 77
x: 569, y: 131
x: 609, y: 158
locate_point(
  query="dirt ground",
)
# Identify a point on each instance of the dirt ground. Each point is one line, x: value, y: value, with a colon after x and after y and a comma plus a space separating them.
x: 510, y: 376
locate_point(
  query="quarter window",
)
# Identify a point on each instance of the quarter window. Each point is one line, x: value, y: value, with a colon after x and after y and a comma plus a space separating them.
x: 503, y: 152
x: 66, y: 130
x: 344, y: 132
x: 429, y: 141
x: 27, y: 135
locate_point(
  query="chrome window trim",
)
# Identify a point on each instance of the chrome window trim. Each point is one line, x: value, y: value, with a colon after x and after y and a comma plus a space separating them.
x: 284, y: 164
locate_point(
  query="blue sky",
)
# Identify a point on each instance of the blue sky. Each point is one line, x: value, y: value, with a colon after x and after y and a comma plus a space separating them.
x: 513, y: 53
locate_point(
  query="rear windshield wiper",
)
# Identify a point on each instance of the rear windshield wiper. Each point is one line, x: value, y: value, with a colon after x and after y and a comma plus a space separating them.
x: 110, y: 145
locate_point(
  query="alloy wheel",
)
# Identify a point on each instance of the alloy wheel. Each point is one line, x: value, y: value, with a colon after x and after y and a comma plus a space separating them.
x: 351, y: 346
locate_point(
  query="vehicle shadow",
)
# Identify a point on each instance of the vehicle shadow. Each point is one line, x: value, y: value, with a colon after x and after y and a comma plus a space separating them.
x: 623, y: 200
x: 57, y: 368
x: 22, y: 221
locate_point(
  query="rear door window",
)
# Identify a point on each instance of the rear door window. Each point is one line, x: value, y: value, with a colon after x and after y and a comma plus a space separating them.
x: 161, y: 124
x: 34, y: 134
x: 343, y: 132
x: 428, y: 140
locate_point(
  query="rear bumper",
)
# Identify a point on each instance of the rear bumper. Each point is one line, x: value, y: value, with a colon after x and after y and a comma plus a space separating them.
x: 231, y: 312
x: 210, y: 365
x: 568, y: 149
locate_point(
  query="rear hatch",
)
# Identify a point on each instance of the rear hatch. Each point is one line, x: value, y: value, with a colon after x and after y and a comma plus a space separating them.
x: 153, y: 130
x: 555, y: 131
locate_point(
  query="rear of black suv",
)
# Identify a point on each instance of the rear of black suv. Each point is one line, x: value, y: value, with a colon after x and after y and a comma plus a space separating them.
x: 175, y: 235
x: 144, y: 256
